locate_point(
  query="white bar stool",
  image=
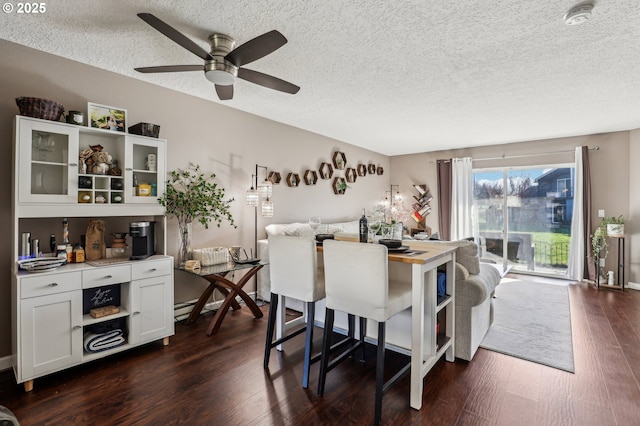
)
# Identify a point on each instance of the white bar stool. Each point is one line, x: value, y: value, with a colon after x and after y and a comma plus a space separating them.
x: 357, y: 282
x: 294, y: 273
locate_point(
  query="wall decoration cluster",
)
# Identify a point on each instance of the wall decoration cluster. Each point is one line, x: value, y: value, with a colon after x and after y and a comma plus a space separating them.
x: 326, y: 171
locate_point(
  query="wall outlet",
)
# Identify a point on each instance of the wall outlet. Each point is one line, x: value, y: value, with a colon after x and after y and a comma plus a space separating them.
x: 601, y: 213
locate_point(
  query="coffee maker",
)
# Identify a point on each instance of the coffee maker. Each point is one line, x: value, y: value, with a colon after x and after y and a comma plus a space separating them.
x: 142, y: 240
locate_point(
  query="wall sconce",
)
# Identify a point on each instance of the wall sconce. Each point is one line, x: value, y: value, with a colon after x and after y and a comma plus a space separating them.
x: 397, y: 198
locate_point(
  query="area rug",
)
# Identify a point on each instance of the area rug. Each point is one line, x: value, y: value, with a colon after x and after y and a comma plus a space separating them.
x: 532, y: 321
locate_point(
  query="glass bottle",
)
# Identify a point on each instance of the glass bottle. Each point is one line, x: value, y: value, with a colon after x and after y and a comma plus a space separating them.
x: 363, y: 227
x: 53, y: 244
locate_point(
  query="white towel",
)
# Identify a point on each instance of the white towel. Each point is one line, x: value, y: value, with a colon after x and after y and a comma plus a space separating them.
x: 103, y: 341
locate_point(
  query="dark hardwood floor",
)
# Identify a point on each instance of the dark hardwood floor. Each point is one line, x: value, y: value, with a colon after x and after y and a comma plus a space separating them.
x: 220, y: 380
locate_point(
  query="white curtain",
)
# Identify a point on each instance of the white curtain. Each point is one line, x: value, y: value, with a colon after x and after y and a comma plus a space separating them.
x: 577, y: 253
x: 462, y: 214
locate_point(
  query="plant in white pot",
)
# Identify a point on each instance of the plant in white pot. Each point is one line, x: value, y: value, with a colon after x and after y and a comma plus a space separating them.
x: 599, y: 244
x: 615, y: 225
x: 192, y: 195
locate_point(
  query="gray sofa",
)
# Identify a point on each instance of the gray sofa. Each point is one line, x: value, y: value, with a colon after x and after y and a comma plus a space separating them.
x: 475, y: 286
x: 474, y: 309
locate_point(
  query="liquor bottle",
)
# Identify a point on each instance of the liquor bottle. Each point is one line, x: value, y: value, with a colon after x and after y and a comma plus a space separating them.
x: 363, y: 227
x: 53, y: 245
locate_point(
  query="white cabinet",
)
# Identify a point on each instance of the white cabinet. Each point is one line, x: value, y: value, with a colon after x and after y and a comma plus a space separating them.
x: 139, y: 174
x: 152, y: 297
x: 52, y: 321
x: 47, y: 156
x: 50, y: 311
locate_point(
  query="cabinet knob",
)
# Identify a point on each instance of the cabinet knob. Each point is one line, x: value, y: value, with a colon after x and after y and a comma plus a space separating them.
x: 75, y: 327
x: 136, y: 313
x: 108, y: 276
x: 53, y: 285
x: 73, y: 164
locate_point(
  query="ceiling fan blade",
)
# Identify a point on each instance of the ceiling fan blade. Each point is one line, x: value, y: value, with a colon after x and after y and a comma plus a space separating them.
x: 175, y: 35
x: 267, y: 81
x: 256, y: 48
x: 224, y: 92
x: 170, y: 68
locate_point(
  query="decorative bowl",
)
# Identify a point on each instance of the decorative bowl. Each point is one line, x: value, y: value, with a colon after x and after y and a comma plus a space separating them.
x: 391, y: 243
x: 321, y: 237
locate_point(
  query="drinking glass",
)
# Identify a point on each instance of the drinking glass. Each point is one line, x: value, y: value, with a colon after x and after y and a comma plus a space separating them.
x: 373, y: 223
x: 314, y: 222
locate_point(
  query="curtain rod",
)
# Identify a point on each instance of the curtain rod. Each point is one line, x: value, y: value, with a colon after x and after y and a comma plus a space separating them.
x: 596, y: 148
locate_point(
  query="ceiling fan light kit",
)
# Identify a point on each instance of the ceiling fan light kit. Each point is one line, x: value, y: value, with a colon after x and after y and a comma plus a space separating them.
x: 578, y: 14
x: 223, y: 64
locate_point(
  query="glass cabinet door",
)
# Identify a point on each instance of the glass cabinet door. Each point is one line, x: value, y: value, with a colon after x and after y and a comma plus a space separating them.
x: 144, y: 170
x: 47, y: 162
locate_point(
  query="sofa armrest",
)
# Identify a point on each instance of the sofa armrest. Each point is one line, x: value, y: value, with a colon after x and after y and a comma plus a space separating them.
x: 470, y: 292
x: 462, y: 273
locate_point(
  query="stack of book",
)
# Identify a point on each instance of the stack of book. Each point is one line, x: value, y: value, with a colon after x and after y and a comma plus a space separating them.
x: 421, y: 208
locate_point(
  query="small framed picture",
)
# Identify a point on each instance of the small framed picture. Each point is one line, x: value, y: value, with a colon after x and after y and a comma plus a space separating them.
x: 106, y: 117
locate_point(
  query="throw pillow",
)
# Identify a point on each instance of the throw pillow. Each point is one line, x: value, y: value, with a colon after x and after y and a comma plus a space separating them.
x: 467, y: 255
x: 299, y: 230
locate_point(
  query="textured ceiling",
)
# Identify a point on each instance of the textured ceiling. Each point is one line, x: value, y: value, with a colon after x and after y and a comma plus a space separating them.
x: 393, y: 76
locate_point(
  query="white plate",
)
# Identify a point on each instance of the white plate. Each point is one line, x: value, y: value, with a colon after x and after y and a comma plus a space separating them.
x: 41, y: 263
x: 42, y: 268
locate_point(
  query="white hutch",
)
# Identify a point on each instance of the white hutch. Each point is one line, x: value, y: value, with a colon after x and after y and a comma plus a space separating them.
x: 48, y: 309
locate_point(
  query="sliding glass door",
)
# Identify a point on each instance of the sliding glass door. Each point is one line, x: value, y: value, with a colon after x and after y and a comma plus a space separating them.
x: 524, y: 217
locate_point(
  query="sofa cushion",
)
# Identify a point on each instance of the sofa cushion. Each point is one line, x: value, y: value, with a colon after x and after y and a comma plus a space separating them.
x: 466, y: 254
x: 298, y: 229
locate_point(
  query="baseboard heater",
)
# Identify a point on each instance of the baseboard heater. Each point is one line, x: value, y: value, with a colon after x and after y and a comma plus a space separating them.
x: 182, y: 310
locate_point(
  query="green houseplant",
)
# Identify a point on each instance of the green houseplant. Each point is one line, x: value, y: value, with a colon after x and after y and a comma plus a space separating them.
x: 193, y: 195
x: 599, y: 243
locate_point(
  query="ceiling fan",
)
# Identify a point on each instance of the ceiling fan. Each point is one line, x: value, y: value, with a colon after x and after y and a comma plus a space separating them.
x: 224, y: 63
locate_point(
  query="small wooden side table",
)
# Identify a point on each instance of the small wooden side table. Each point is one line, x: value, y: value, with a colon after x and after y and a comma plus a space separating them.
x: 621, y: 265
x: 217, y: 277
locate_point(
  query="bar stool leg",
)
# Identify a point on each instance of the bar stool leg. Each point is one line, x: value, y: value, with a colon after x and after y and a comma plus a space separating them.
x: 379, y: 373
x: 363, y: 334
x: 326, y: 348
x: 311, y: 314
x: 273, y: 307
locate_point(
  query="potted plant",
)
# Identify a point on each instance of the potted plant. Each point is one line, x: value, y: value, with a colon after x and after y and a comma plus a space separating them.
x: 599, y: 244
x: 614, y: 225
x: 192, y: 195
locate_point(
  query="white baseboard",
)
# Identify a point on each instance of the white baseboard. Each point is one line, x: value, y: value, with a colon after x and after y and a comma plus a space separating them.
x: 5, y: 363
x: 633, y: 286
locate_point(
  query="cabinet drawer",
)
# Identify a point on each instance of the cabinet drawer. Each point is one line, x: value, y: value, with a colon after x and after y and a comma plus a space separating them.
x: 42, y: 285
x: 151, y: 268
x: 104, y: 276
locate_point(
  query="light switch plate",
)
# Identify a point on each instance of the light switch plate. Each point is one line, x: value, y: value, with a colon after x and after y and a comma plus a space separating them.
x: 601, y: 213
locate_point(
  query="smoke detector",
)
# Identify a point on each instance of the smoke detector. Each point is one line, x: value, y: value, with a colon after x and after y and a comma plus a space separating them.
x: 578, y: 14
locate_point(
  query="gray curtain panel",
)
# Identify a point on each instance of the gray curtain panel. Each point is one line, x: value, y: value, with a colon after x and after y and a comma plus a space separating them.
x: 445, y: 178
